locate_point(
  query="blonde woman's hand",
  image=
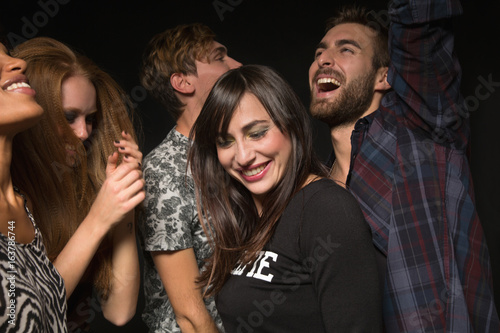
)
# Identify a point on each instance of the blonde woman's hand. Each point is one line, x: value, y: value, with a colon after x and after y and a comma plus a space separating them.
x: 129, y: 149
x: 120, y: 193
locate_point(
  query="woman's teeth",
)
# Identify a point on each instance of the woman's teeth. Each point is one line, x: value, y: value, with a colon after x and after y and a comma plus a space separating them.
x: 253, y: 172
x: 18, y: 85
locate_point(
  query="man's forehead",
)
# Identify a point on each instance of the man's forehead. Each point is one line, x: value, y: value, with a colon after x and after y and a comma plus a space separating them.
x: 217, y: 47
x: 362, y: 34
x: 212, y: 50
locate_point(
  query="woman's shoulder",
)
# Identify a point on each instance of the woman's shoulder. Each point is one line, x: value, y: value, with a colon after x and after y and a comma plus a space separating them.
x: 28, y: 203
x: 321, y: 196
x: 324, y: 189
x: 325, y: 199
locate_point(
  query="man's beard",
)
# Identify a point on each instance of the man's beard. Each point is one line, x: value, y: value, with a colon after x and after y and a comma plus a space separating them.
x: 349, y: 106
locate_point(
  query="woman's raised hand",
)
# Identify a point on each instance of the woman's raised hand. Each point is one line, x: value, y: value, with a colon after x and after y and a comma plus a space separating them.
x: 129, y: 149
x: 121, y: 192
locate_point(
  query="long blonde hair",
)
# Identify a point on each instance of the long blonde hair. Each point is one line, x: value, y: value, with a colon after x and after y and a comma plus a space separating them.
x: 63, y: 192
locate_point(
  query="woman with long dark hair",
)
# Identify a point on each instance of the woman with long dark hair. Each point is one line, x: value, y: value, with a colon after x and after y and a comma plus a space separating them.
x: 292, y: 252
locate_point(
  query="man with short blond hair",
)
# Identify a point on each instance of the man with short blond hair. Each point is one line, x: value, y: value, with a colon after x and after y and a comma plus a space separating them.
x: 180, y: 66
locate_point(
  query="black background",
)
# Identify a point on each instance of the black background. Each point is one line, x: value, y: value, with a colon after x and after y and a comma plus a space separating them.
x: 280, y: 34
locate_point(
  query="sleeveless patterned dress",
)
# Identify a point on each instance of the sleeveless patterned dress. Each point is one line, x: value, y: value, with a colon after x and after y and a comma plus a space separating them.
x: 32, y: 293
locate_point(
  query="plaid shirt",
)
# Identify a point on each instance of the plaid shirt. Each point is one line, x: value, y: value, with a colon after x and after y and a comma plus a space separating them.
x: 410, y: 174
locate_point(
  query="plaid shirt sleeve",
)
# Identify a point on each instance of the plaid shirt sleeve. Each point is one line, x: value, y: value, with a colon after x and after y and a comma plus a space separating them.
x: 425, y: 70
x: 411, y: 177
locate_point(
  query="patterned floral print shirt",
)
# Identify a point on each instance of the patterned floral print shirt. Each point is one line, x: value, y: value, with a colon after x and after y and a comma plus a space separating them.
x: 169, y: 223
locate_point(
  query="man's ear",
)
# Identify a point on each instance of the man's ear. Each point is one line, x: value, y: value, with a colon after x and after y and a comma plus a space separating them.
x: 381, y: 83
x: 181, y: 83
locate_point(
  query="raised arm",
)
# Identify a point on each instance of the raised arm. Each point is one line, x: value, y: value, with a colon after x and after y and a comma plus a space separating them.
x: 121, y: 192
x: 424, y: 70
x: 120, y: 306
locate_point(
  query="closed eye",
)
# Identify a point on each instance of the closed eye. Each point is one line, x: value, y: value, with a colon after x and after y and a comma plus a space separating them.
x: 222, y: 142
x: 220, y: 56
x: 90, y: 119
x: 70, y: 116
x: 258, y: 134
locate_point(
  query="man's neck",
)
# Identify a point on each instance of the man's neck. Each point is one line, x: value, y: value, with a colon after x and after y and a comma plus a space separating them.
x: 183, y: 128
x: 187, y: 119
x: 341, y: 143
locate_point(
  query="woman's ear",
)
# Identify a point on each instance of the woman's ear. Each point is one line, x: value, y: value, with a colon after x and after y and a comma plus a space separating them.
x: 181, y: 83
x: 381, y: 83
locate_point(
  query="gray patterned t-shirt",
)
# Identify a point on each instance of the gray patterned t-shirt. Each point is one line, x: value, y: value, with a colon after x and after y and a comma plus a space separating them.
x: 169, y: 222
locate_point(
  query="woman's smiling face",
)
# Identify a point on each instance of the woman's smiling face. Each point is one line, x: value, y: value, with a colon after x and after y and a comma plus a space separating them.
x: 254, y: 151
x: 18, y: 107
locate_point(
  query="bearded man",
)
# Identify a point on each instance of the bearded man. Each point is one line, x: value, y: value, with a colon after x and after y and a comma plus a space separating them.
x: 399, y: 131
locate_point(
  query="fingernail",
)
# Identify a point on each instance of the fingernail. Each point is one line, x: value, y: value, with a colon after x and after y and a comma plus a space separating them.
x: 140, y: 165
x: 117, y: 141
x: 122, y: 148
